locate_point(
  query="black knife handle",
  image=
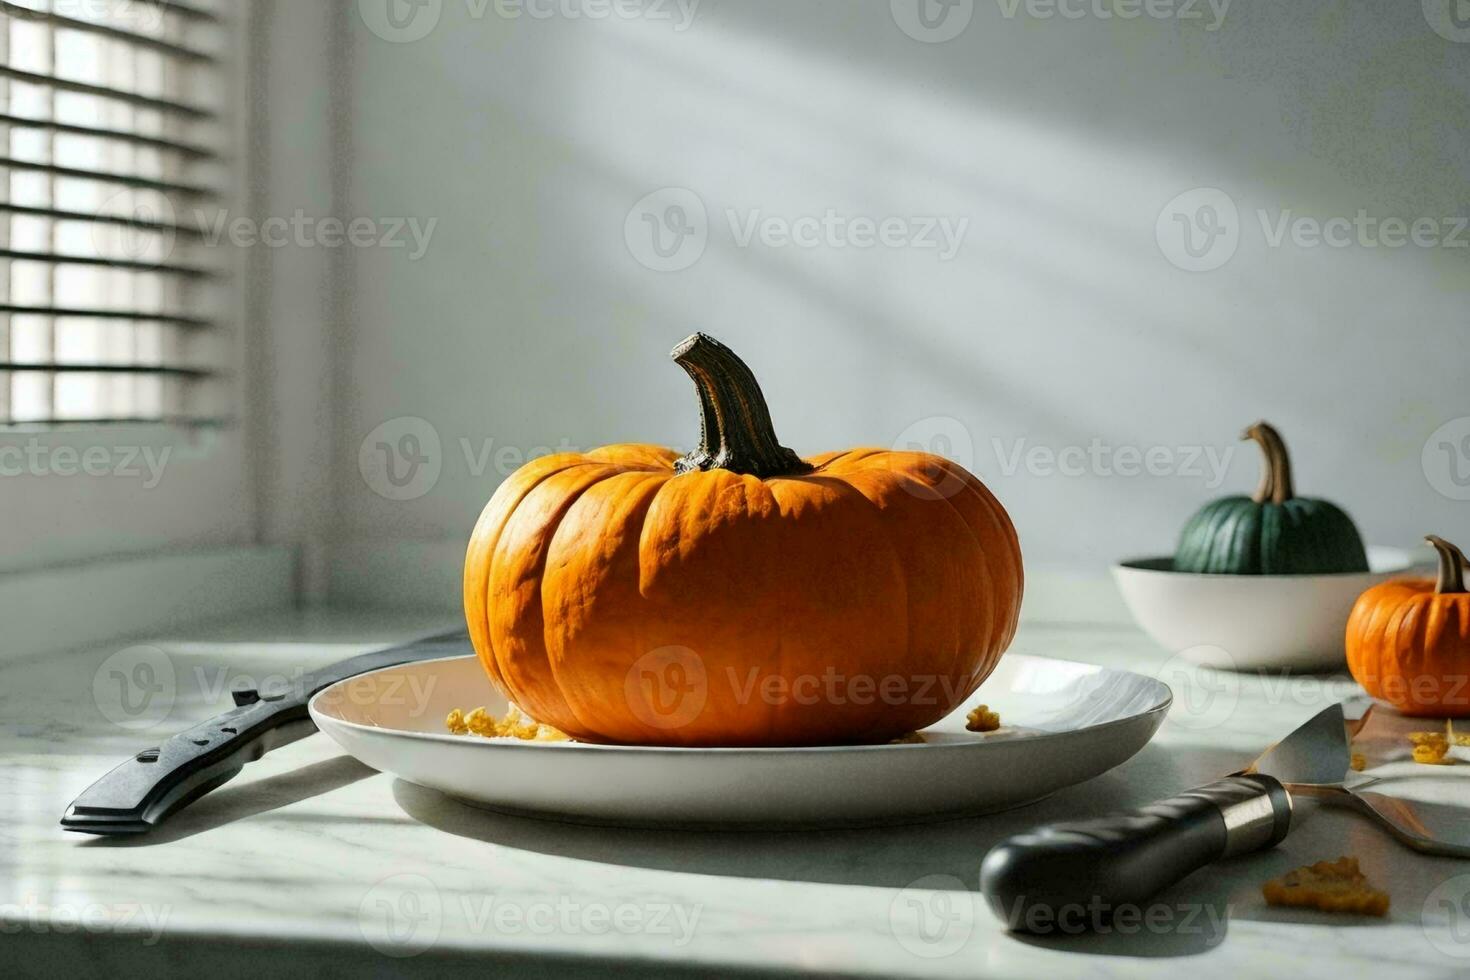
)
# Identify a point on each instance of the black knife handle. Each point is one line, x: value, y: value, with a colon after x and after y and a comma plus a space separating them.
x: 137, y: 795
x: 1075, y: 874
x: 152, y: 784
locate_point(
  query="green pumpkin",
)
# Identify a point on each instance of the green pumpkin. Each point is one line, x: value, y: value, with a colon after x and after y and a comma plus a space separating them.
x: 1273, y: 532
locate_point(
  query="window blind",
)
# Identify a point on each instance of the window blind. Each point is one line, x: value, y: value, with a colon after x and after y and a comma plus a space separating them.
x: 111, y: 165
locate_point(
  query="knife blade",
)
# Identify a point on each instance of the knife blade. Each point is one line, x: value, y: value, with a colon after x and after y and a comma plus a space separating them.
x: 156, y: 782
x: 1032, y: 880
x: 1317, y: 754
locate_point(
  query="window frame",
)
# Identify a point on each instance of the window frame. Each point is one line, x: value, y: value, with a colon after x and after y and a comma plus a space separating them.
x: 153, y: 485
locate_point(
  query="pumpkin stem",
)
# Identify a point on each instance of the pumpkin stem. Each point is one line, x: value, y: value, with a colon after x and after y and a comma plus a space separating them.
x: 735, y: 431
x: 1276, y: 484
x: 709, y: 434
x: 1451, y: 560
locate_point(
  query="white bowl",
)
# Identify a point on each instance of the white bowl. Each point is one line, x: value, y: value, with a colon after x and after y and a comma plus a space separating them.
x: 1250, y: 622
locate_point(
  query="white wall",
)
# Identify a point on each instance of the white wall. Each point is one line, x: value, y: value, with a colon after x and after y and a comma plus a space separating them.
x: 530, y: 322
x: 296, y: 165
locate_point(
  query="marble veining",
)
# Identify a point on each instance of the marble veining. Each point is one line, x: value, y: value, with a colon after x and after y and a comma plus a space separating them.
x: 308, y: 847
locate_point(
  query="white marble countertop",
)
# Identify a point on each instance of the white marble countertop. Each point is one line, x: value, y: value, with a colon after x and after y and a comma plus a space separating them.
x: 302, y: 861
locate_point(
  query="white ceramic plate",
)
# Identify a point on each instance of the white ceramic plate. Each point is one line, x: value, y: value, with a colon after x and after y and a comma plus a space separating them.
x: 1062, y: 722
x: 1251, y: 622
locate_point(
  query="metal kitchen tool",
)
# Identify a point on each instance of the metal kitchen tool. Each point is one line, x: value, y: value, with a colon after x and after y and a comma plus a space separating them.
x: 1399, y: 800
x: 1125, y: 859
x: 137, y: 795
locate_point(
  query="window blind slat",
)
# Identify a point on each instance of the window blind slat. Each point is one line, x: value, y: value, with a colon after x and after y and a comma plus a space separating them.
x: 170, y: 268
x: 174, y: 319
x: 141, y: 224
x: 107, y: 177
x: 104, y: 30
x: 172, y: 146
x: 185, y: 10
x: 103, y: 92
x: 181, y: 421
x: 51, y: 367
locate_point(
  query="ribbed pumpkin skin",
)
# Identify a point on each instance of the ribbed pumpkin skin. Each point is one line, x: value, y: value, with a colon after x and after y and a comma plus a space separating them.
x: 1302, y: 536
x: 582, y: 565
x: 1411, y: 648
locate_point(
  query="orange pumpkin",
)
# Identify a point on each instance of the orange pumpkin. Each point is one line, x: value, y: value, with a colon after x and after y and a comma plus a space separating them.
x: 1408, y: 640
x: 739, y: 595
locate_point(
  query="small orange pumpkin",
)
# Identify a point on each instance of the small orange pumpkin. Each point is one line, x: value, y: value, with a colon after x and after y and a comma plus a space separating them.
x: 1408, y: 640
x: 739, y: 595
